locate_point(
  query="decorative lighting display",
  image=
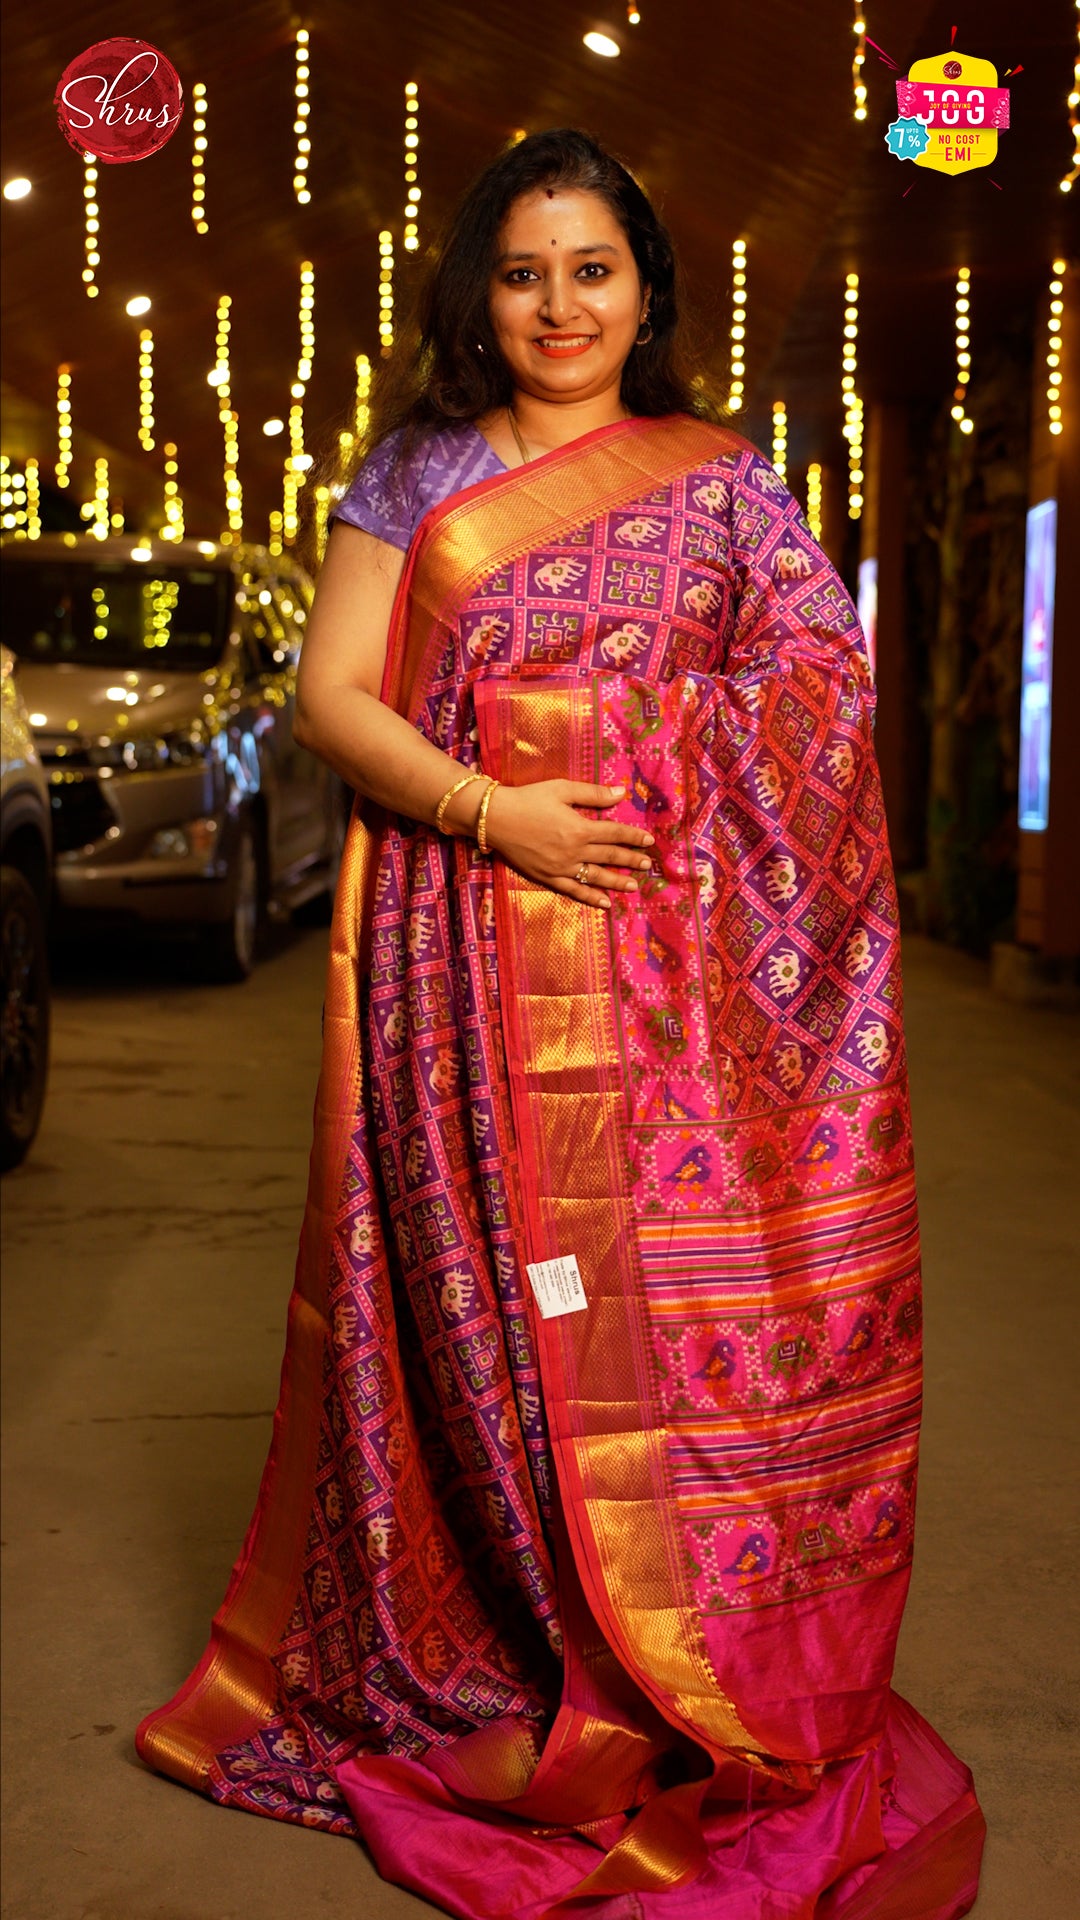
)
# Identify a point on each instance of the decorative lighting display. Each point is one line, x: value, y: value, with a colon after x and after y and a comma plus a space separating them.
x: 307, y: 328
x: 33, y: 498
x: 633, y: 13
x: 91, y: 213
x: 1053, y: 349
x: 275, y: 543
x: 412, y: 142
x: 779, y: 438
x: 386, y: 293
x: 302, y: 157
x: 219, y: 376
x: 363, y: 394
x: 322, y: 513
x: 12, y: 498
x: 198, y: 158
x: 101, y: 624
x: 1066, y: 184
x: 963, y: 346
x: 159, y: 599
x: 853, y: 406
x: 99, y: 505
x: 859, y: 62
x: 63, y: 423
x: 737, y: 385
x: 174, y: 506
x: 146, y: 389
x: 813, y: 498
x: 294, y: 474
x: 18, y: 188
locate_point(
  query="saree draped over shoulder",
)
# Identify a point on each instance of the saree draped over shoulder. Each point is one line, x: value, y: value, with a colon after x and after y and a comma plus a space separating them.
x: 595, y: 1613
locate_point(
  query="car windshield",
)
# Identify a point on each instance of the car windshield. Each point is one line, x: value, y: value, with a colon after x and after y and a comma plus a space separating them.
x: 101, y: 613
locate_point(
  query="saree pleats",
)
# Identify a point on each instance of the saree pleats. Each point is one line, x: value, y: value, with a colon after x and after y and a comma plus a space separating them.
x: 596, y: 1613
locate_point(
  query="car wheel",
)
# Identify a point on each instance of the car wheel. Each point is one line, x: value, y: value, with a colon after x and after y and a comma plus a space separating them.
x: 24, y: 1016
x: 231, y: 949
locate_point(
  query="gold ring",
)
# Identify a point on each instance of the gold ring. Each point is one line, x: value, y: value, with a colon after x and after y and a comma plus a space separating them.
x: 581, y: 876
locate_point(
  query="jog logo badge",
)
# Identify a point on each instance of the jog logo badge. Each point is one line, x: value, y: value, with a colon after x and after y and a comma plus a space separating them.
x: 120, y: 100
x: 951, y: 111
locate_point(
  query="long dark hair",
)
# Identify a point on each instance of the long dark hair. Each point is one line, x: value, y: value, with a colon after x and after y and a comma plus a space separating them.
x: 440, y: 379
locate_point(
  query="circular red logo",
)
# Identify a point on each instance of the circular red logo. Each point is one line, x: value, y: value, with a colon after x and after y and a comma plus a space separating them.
x: 120, y: 100
x: 952, y: 69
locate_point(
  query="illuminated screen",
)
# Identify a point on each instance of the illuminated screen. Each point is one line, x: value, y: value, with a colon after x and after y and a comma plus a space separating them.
x: 1035, y: 680
x: 868, y: 608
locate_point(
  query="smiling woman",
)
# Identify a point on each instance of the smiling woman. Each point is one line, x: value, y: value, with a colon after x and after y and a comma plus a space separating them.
x: 581, y: 1551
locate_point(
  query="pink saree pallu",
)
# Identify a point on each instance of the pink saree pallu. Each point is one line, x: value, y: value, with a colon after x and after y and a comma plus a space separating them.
x: 593, y: 1611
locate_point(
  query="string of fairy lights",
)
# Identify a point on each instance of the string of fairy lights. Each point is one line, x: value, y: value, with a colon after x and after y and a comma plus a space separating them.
x: 814, y: 498
x: 1066, y: 182
x: 853, y: 406
x: 779, y: 438
x: 1053, y: 350
x: 737, y: 381
x: 412, y: 141
x: 92, y: 225
x: 963, y: 350
x: 146, y: 389
x: 199, y: 145
x: 301, y: 89
x: 386, y: 293
x: 858, y: 84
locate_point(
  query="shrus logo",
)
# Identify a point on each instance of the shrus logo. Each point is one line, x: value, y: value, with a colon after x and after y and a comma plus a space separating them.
x: 951, y: 111
x: 120, y: 100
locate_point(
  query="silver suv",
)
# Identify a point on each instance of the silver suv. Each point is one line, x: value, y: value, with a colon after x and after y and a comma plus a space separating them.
x: 160, y: 680
x: 25, y: 864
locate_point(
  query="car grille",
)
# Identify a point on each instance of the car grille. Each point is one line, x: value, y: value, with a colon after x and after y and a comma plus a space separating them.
x: 80, y: 812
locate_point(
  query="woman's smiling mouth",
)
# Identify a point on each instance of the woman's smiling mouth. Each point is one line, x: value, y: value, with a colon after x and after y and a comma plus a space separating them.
x: 564, y: 345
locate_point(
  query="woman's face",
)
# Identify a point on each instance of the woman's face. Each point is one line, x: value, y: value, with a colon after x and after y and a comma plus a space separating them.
x: 565, y: 297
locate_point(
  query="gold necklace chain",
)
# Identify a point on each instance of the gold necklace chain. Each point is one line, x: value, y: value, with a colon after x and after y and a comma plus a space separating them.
x: 522, y: 449
x: 514, y: 430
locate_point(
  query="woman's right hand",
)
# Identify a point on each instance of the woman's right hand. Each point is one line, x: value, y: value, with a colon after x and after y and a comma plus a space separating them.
x: 539, y: 830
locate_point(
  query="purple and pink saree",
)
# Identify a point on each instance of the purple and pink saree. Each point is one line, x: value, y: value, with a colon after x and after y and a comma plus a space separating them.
x: 595, y: 1614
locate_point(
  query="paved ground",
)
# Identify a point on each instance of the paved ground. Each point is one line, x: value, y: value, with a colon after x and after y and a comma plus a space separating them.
x: 149, y: 1248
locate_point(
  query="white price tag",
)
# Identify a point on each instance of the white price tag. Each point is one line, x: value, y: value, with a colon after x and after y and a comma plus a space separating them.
x: 557, y: 1286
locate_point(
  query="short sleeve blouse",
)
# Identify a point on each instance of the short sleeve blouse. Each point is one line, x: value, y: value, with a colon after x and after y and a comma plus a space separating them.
x: 391, y: 505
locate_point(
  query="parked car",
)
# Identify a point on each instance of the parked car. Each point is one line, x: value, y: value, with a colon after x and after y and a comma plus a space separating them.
x: 25, y: 882
x: 160, y: 678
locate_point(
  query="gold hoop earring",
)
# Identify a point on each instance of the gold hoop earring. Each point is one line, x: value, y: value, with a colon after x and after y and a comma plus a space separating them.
x: 643, y: 342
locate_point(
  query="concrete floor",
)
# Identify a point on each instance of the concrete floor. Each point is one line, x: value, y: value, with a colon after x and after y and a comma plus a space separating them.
x: 149, y: 1250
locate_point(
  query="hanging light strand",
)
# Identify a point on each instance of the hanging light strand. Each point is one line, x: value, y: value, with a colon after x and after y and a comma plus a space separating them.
x: 363, y: 395
x: 146, y: 389
x: 12, y: 498
x: 33, y: 498
x: 963, y: 346
x: 412, y: 142
x: 99, y: 506
x: 737, y: 385
x: 386, y: 293
x: 853, y: 406
x: 813, y: 498
x: 174, y: 505
x: 779, y: 438
x: 91, y: 212
x: 1066, y: 184
x: 63, y: 424
x: 198, y: 158
x: 1053, y: 349
x: 858, y: 63
x: 302, y: 156
x: 220, y: 376
x: 307, y: 329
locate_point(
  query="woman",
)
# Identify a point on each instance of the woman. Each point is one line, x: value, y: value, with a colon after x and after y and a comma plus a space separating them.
x: 582, y: 1545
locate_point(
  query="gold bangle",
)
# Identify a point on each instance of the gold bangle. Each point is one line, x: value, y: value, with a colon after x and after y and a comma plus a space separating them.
x: 448, y: 796
x: 481, y: 818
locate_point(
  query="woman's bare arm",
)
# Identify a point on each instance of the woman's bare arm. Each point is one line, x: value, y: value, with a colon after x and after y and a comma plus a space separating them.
x: 340, y: 717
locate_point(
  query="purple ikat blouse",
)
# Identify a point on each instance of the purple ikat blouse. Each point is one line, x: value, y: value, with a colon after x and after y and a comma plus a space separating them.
x: 391, y: 507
